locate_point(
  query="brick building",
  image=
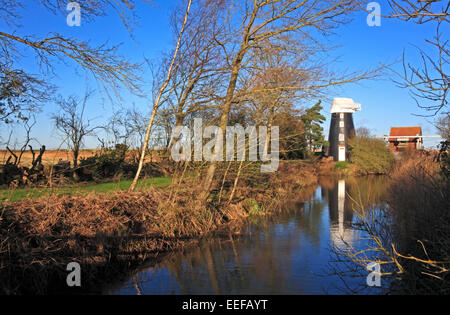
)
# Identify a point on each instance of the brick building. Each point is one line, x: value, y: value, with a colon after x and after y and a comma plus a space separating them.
x: 405, y: 139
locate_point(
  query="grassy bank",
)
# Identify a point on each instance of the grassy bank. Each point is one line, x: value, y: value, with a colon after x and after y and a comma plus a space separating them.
x: 81, y: 189
x: 110, y: 234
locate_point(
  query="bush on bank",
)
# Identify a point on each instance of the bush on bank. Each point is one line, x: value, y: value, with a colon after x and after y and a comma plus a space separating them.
x: 371, y: 155
x: 114, y: 163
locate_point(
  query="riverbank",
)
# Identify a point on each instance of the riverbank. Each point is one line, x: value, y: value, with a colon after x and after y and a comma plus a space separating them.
x: 109, y: 235
x: 420, y: 201
x: 410, y: 235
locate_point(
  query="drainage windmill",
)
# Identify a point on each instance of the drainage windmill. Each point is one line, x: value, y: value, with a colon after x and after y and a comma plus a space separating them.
x: 342, y: 127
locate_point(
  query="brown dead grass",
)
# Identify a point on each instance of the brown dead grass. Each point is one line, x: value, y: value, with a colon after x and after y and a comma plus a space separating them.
x: 40, y: 237
x: 420, y: 201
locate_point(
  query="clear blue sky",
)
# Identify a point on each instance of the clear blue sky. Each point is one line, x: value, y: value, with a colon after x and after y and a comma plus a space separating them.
x: 383, y: 103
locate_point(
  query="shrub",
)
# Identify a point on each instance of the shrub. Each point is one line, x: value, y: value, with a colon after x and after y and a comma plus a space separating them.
x: 105, y: 165
x: 113, y: 163
x: 254, y: 208
x: 372, y: 156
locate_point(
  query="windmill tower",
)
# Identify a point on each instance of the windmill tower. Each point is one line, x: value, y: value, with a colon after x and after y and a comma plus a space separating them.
x: 342, y: 127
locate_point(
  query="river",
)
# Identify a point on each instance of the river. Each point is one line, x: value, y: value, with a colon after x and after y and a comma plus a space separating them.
x: 294, y: 252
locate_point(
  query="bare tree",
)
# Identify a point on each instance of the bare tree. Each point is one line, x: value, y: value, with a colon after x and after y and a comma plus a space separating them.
x: 419, y: 11
x: 21, y: 95
x: 363, y: 132
x: 428, y: 81
x: 197, y: 77
x: 164, y: 124
x: 73, y: 125
x: 13, y: 170
x: 28, y: 125
x: 257, y: 22
x: 127, y: 126
x: 102, y: 61
x: 158, y: 99
x: 443, y: 125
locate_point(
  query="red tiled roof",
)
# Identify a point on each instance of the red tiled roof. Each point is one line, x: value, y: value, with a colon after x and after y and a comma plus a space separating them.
x: 404, y: 132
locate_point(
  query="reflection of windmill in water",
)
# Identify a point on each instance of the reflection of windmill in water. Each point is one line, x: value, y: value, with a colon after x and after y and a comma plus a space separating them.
x: 341, y: 216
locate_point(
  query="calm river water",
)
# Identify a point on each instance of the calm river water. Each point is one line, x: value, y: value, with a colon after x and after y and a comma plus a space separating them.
x: 291, y: 253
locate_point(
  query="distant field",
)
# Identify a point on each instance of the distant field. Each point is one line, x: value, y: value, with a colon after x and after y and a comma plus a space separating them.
x: 52, y: 157
x: 102, y: 188
x: 49, y: 158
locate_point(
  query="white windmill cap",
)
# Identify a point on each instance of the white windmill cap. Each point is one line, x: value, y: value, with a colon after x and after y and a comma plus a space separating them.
x: 344, y: 105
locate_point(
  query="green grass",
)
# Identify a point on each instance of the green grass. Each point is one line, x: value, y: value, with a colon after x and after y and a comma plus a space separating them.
x: 101, y: 188
x: 341, y: 165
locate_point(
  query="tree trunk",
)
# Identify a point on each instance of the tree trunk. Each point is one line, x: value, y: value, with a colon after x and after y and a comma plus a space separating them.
x: 158, y: 99
x: 76, y: 153
x: 229, y: 97
x: 179, y: 119
x: 223, y: 123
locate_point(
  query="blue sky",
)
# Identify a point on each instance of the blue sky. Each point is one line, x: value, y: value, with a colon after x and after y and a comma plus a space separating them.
x: 384, y: 104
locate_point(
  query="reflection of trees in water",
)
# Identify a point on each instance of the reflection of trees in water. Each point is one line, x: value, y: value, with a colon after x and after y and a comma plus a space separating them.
x: 138, y: 283
x: 218, y: 267
x: 310, y: 219
x: 368, y: 192
x: 262, y: 260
